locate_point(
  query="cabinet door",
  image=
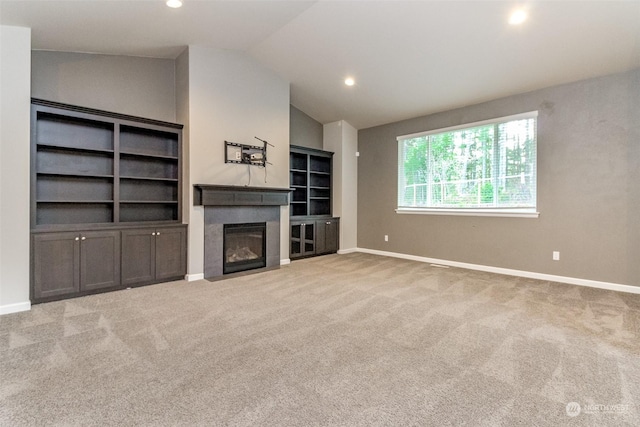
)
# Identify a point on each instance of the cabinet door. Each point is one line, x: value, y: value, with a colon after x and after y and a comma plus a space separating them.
x: 99, y: 260
x: 296, y: 240
x: 56, y: 264
x: 138, y: 256
x: 327, y: 236
x: 171, y: 249
x: 309, y: 241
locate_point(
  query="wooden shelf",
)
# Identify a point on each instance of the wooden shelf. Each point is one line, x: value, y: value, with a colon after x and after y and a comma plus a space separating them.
x: 75, y: 201
x: 74, y: 175
x: 74, y: 149
x: 151, y: 156
x: 148, y: 178
x: 137, y: 212
x: 159, y: 202
x: 149, y: 142
x: 60, y: 213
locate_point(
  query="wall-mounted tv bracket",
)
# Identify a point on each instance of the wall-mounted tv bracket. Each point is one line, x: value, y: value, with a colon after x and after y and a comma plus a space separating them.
x: 246, y: 154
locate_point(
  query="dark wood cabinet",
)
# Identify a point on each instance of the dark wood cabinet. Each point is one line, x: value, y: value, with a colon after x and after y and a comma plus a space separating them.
x: 313, y: 237
x: 56, y: 264
x: 138, y: 256
x: 303, y: 241
x: 327, y: 235
x: 72, y: 263
x: 153, y: 254
x: 171, y: 253
x: 106, y: 200
x: 99, y: 260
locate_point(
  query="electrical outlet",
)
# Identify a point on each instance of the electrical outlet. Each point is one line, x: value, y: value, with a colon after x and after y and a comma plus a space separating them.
x: 386, y: 238
x: 556, y: 256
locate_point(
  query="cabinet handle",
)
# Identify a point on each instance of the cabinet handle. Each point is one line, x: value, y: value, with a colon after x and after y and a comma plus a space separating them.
x: 158, y: 233
x: 77, y: 238
x: 84, y: 238
x: 328, y: 222
x: 153, y: 234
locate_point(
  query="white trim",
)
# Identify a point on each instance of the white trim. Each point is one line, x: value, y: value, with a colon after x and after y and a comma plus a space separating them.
x: 511, y: 213
x: 285, y: 261
x: 527, y: 115
x: 15, y: 308
x: 193, y: 277
x: 509, y: 272
x: 347, y: 251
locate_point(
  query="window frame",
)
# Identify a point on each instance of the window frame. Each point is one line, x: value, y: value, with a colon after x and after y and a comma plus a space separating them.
x: 524, y: 212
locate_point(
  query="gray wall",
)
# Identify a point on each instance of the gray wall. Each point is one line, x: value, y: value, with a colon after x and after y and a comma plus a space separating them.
x: 303, y: 130
x: 129, y: 85
x: 588, y: 187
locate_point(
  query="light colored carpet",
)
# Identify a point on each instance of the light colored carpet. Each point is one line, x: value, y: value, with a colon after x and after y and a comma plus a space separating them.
x: 339, y: 340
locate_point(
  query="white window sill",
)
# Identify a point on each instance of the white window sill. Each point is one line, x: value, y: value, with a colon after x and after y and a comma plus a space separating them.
x: 510, y: 213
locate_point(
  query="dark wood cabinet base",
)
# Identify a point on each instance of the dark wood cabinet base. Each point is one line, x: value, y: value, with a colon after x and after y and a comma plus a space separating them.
x: 313, y: 236
x: 73, y: 264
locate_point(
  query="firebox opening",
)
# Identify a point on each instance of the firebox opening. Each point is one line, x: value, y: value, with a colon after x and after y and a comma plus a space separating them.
x: 244, y: 247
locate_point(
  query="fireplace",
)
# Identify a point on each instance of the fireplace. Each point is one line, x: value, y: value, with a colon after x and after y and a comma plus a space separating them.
x: 229, y: 209
x: 244, y: 247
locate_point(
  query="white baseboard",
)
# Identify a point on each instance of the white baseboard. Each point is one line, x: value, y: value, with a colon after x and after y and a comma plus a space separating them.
x: 347, y: 251
x: 285, y: 261
x: 194, y: 277
x: 509, y: 272
x: 15, y: 308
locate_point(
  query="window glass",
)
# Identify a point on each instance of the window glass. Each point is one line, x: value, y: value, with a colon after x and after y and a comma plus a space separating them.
x: 490, y: 166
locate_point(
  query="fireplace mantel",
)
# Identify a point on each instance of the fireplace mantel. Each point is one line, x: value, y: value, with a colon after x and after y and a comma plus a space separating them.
x: 231, y: 195
x: 228, y: 204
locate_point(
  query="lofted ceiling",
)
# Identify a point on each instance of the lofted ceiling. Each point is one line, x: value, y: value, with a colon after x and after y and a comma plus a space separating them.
x: 409, y: 58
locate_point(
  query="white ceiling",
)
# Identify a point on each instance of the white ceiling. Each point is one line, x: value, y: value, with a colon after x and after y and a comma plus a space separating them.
x: 409, y: 58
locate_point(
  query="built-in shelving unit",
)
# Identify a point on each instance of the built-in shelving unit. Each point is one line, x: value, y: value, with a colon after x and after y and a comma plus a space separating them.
x: 91, y: 168
x: 95, y: 177
x: 313, y: 231
x: 310, y: 177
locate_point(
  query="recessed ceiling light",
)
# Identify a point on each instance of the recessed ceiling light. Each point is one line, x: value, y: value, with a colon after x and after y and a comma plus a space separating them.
x: 174, y: 3
x: 349, y: 81
x: 518, y: 17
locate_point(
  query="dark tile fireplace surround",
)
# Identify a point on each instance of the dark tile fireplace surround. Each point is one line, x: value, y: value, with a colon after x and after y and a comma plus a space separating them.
x: 232, y: 206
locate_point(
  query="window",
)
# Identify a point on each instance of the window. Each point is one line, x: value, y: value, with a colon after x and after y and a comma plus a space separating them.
x: 479, y: 168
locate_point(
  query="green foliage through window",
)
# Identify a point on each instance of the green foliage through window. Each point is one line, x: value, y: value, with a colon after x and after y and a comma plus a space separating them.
x: 486, y: 166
